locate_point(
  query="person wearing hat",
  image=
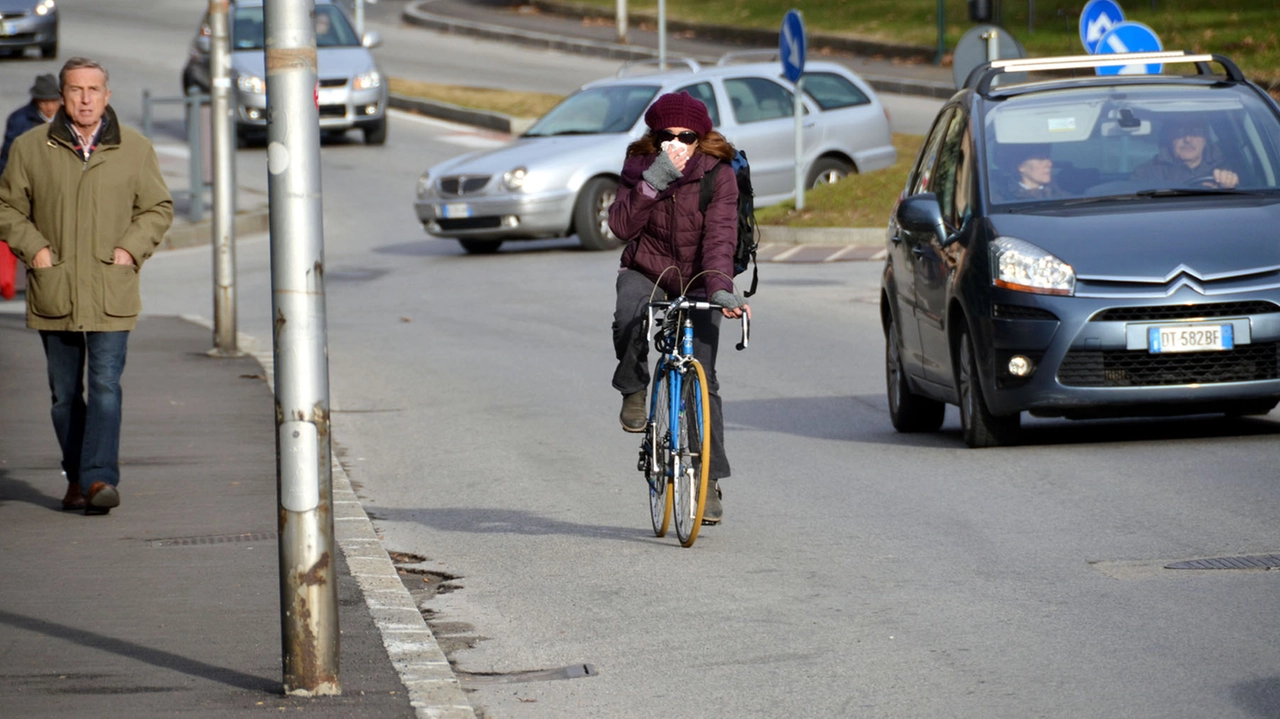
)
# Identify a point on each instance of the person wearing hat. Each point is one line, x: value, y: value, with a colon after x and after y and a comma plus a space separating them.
x: 1186, y: 157
x: 1029, y: 172
x: 674, y: 249
x: 45, y: 101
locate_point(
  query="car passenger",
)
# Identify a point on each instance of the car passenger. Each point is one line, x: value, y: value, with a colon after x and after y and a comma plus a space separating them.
x: 1186, y: 155
x: 1029, y: 173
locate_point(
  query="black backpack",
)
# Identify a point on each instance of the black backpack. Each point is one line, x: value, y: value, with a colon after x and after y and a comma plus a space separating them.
x: 748, y: 235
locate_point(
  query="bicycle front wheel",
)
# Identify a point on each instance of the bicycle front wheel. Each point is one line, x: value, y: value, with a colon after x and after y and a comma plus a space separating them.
x: 658, y: 451
x: 692, y: 453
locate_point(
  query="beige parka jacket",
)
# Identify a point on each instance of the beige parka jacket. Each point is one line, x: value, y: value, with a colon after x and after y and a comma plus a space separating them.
x: 51, y: 197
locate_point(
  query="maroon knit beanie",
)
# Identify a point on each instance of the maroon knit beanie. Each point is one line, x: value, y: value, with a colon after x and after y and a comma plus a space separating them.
x: 678, y: 110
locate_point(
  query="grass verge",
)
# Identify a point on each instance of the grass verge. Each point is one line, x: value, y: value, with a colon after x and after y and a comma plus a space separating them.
x: 856, y: 201
x: 507, y: 102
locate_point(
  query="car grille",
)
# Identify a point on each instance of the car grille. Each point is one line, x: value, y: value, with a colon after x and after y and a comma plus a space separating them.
x: 1160, y: 313
x: 462, y: 185
x: 333, y: 111
x: 333, y: 82
x: 1139, y: 368
x: 470, y: 223
x: 1019, y: 312
x: 13, y: 14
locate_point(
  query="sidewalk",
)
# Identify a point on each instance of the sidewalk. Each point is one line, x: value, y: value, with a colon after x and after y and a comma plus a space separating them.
x: 169, y: 605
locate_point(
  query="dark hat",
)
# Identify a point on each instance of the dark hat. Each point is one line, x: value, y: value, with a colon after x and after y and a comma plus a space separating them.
x: 1011, y: 156
x: 46, y: 88
x: 678, y: 110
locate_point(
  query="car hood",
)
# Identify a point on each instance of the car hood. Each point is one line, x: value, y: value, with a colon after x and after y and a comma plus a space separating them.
x: 332, y: 61
x: 16, y: 5
x: 1152, y: 240
x: 542, y: 153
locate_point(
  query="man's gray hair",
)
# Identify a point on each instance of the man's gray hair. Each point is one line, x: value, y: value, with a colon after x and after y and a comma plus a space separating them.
x: 77, y: 63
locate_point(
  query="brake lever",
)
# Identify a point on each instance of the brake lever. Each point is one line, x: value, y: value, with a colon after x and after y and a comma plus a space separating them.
x: 746, y: 331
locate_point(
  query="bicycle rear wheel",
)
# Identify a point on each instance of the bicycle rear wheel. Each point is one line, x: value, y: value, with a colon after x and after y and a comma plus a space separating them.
x: 693, y: 455
x: 658, y: 451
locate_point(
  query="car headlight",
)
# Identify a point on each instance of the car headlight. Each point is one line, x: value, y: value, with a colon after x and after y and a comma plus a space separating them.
x: 251, y: 84
x: 45, y: 7
x: 1021, y: 266
x: 424, y: 184
x: 514, y: 179
x: 367, y: 80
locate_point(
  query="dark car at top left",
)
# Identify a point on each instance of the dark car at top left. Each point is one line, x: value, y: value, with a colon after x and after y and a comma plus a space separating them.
x: 352, y: 91
x: 29, y: 24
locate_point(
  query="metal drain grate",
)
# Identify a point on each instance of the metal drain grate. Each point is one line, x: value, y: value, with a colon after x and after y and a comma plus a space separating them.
x: 1266, y: 561
x: 214, y: 539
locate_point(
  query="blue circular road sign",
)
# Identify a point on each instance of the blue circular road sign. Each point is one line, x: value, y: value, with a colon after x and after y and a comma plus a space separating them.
x: 1097, y: 17
x: 1130, y: 37
x: 791, y: 45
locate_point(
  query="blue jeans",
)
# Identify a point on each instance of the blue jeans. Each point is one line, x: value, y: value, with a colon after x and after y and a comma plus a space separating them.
x: 87, y: 425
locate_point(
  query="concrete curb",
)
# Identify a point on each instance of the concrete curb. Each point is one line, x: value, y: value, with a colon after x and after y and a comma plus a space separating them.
x: 194, y: 234
x: 434, y: 689
x: 414, y: 15
x: 456, y: 113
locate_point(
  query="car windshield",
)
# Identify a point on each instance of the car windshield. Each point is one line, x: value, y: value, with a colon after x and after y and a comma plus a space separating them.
x: 332, y: 29
x: 1130, y: 141
x: 596, y: 110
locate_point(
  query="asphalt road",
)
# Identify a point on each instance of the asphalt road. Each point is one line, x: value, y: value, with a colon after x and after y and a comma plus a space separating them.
x: 859, y: 573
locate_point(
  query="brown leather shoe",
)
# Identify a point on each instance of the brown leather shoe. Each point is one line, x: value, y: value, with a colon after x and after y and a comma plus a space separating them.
x: 102, y: 497
x: 74, y: 498
x: 633, y: 416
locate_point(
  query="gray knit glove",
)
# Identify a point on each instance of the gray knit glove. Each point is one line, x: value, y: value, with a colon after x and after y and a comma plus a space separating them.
x: 726, y: 299
x: 661, y: 173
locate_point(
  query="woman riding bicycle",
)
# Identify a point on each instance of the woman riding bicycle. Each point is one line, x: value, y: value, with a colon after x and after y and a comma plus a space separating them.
x: 669, y: 243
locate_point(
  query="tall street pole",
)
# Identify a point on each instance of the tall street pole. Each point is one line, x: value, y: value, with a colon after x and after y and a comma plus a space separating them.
x: 308, y: 572
x: 224, y: 184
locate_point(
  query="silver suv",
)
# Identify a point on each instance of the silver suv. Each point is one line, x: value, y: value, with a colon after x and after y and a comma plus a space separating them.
x: 352, y: 92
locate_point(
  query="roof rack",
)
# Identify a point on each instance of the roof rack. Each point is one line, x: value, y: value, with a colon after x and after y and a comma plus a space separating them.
x: 983, y: 76
x: 761, y: 55
x: 688, y: 64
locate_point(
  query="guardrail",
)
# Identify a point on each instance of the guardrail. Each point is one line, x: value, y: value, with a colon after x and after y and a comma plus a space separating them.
x: 196, y: 113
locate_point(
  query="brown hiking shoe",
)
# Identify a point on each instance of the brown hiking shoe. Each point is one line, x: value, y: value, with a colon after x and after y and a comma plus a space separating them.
x: 633, y: 416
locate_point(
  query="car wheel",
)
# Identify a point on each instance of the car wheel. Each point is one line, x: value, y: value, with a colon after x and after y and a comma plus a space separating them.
x: 591, y: 214
x: 376, y: 134
x: 979, y: 426
x: 480, y: 247
x: 909, y: 411
x: 826, y: 171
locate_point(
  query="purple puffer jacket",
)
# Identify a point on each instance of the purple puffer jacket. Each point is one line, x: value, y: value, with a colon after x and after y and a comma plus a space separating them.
x: 669, y: 230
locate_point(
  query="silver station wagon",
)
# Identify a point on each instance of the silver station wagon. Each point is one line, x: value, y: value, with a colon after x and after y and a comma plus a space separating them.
x: 560, y: 176
x: 352, y: 92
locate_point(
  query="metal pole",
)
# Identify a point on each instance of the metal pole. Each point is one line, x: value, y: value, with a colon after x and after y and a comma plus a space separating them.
x: 360, y: 19
x: 224, y: 184
x: 308, y: 571
x: 799, y: 143
x: 622, y: 22
x: 662, y: 34
x: 146, y: 112
x: 993, y: 44
x: 195, y: 167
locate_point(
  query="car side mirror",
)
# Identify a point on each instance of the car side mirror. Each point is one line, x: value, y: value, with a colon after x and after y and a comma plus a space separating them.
x: 922, y: 213
x: 371, y: 39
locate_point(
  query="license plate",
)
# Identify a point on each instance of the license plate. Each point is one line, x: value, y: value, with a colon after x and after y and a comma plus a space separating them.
x: 456, y: 210
x: 1190, y: 338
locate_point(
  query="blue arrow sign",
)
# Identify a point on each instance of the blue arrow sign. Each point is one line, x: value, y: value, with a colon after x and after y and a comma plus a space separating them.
x: 1130, y: 36
x: 791, y: 45
x: 1096, y: 19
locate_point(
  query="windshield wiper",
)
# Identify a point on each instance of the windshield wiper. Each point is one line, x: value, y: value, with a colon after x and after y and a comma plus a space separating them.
x: 1191, y: 192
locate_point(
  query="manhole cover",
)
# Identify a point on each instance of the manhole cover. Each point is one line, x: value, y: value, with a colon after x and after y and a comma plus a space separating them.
x: 1266, y: 561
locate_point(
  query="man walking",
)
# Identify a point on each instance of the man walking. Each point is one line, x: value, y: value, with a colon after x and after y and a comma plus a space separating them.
x: 83, y: 205
x: 45, y: 101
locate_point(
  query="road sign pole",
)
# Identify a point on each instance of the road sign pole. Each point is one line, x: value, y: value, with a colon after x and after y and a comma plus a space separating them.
x: 304, y: 470
x: 622, y: 22
x: 662, y: 34
x: 224, y: 183
x: 800, y: 143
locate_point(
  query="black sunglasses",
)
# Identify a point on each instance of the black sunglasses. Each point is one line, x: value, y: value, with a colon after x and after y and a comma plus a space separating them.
x: 688, y: 137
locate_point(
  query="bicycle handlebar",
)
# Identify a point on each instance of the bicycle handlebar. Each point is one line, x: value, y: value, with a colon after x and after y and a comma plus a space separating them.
x: 684, y: 303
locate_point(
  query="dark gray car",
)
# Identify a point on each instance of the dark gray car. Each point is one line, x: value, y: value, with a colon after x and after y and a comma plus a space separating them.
x: 29, y: 24
x: 1101, y: 245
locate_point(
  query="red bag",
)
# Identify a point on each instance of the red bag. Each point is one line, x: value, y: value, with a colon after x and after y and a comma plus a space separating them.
x: 8, y: 272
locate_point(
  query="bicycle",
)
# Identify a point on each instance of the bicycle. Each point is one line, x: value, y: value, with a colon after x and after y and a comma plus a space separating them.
x: 675, y: 457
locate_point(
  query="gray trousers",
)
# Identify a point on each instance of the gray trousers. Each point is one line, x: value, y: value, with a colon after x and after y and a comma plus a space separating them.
x: 632, y: 349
